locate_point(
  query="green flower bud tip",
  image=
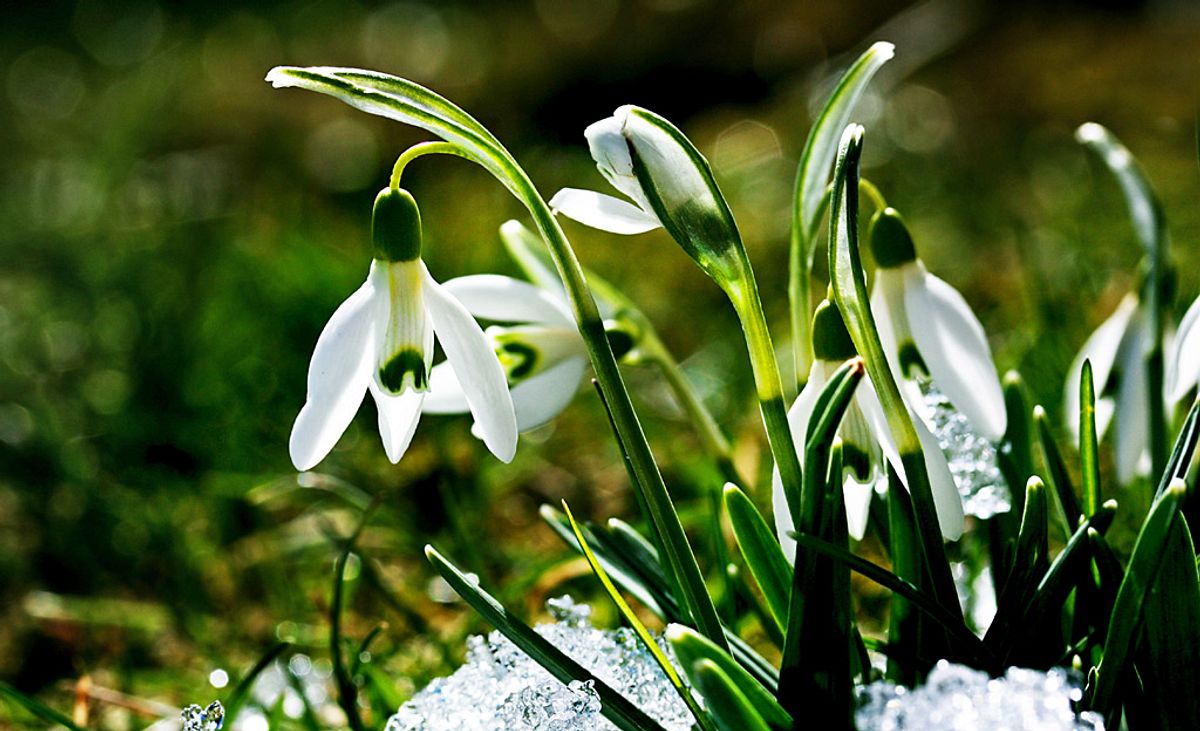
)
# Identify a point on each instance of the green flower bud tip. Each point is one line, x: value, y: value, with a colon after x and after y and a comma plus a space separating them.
x: 831, y: 340
x: 890, y: 241
x: 396, y: 226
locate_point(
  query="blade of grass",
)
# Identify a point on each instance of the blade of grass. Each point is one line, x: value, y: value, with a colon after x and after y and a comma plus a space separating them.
x: 643, y: 634
x: 1056, y: 473
x: 347, y: 695
x: 691, y: 647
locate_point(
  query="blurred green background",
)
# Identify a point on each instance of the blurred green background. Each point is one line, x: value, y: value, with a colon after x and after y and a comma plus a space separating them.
x: 174, y: 234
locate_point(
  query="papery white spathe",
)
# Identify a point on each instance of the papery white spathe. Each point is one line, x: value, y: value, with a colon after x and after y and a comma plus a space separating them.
x: 1183, y: 366
x: 915, y: 308
x: 865, y: 428
x: 399, y: 306
x: 543, y: 357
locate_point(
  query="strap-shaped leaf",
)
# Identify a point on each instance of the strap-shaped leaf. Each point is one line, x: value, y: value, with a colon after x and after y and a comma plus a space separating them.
x: 402, y: 100
x: 729, y: 707
x: 1029, y: 563
x: 1056, y: 471
x: 849, y: 283
x: 1089, y: 441
x: 1127, y: 616
x: 691, y: 647
x: 615, y: 707
x: 760, y: 549
x: 1144, y: 209
x: 820, y: 147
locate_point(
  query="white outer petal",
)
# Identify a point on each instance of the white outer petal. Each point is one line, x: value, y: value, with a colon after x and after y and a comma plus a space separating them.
x: 603, y: 212
x: 1183, y: 373
x: 445, y: 394
x: 1131, y: 408
x: 505, y: 299
x: 398, y: 417
x: 1101, y: 349
x: 338, y: 375
x: 798, y: 417
x: 610, y: 150
x: 857, y: 496
x: 947, y: 501
x: 477, y: 367
x: 954, y: 347
x: 887, y: 305
x: 543, y: 396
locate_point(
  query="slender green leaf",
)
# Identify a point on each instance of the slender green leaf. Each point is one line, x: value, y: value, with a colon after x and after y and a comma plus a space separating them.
x: 761, y: 551
x: 849, y: 284
x: 1169, y: 665
x: 1089, y: 442
x: 1019, y: 437
x: 1185, y: 448
x: 809, y: 200
x: 37, y: 708
x: 691, y: 647
x: 729, y: 707
x: 614, y: 706
x: 643, y: 634
x: 1029, y: 563
x: 1127, y: 615
x: 1056, y: 472
x: 972, y: 647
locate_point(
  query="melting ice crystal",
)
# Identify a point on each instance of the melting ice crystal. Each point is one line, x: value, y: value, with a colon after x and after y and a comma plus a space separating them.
x: 956, y: 697
x: 973, y: 459
x: 500, y: 687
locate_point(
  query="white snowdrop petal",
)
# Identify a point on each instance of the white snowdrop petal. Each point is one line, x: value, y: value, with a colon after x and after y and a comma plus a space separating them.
x: 1101, y: 349
x: 445, y: 394
x: 1131, y: 411
x: 857, y: 497
x: 398, y: 418
x: 603, y: 212
x: 478, y: 370
x: 955, y: 350
x: 799, y: 415
x: 543, y: 396
x: 1183, y: 373
x: 505, y: 299
x: 338, y: 375
x: 946, y: 499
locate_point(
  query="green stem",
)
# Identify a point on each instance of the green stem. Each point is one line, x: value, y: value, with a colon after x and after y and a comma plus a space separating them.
x: 681, y: 561
x: 418, y: 150
x: 743, y: 293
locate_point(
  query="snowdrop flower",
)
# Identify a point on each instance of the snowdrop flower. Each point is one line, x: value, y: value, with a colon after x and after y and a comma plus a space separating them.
x: 669, y: 185
x: 929, y: 331
x: 866, y: 440
x: 1117, y: 351
x: 381, y: 340
x: 542, y: 355
x: 1183, y: 368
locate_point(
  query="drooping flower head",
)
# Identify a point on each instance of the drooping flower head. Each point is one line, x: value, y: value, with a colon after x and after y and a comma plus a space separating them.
x: 930, y: 332
x: 381, y: 340
x: 867, y: 441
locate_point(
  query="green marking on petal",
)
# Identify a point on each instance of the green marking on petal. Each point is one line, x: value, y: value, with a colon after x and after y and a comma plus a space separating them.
x: 404, y: 369
x: 912, y: 365
x: 856, y: 461
x: 521, y: 359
